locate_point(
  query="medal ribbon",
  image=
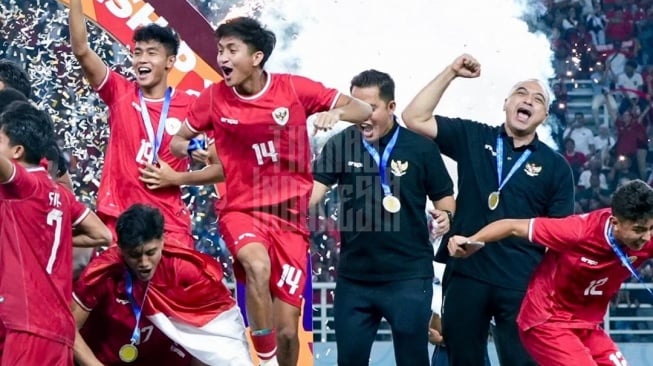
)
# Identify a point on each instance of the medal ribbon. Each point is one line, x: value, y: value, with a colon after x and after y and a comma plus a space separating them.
x: 382, y: 161
x: 624, y: 259
x: 512, y: 171
x: 136, y: 308
x: 155, y: 140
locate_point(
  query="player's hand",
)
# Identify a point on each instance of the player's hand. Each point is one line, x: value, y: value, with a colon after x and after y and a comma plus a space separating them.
x: 435, y: 337
x: 466, y: 66
x: 441, y: 225
x: 324, y: 121
x: 200, y: 156
x: 457, y: 248
x: 156, y: 177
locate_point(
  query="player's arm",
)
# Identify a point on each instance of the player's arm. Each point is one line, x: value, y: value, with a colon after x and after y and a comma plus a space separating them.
x: 91, y: 232
x: 81, y: 351
x: 319, y: 190
x: 351, y: 109
x: 492, y: 232
x: 93, y: 67
x: 418, y: 115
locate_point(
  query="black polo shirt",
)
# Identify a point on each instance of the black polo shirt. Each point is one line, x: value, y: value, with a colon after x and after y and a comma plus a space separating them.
x: 378, y: 245
x: 543, y: 186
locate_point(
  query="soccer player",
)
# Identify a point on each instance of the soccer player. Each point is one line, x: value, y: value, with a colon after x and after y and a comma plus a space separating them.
x: 589, y: 256
x: 36, y: 237
x: 134, y: 301
x: 144, y: 115
x: 259, y: 124
x: 13, y: 76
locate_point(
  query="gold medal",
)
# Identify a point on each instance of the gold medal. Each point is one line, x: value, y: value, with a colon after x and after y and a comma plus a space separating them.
x: 391, y: 203
x: 493, y: 200
x: 128, y: 353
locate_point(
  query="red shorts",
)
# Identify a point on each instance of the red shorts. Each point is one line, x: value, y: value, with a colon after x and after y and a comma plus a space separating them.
x: 176, y: 238
x: 22, y: 348
x: 554, y: 346
x: 286, y: 246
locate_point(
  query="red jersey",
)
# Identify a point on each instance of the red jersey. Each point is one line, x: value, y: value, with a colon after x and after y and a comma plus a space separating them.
x: 263, y: 141
x: 130, y: 145
x: 37, y: 216
x: 186, y: 286
x: 580, y: 273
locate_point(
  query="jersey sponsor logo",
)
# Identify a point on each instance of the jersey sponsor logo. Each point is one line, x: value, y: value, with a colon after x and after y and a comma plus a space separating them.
x: 398, y: 168
x: 230, y: 121
x: 355, y: 164
x: 591, y: 262
x: 281, y: 116
x: 532, y: 170
x: 172, y: 126
x: 122, y: 301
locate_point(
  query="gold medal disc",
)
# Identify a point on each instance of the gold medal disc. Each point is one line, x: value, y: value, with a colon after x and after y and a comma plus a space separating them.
x: 391, y: 203
x: 128, y: 353
x: 493, y: 200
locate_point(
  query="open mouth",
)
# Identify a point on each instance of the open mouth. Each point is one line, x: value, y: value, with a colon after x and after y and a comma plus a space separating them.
x: 226, y: 71
x: 143, y: 70
x: 523, y: 114
x: 144, y: 273
x: 366, y: 129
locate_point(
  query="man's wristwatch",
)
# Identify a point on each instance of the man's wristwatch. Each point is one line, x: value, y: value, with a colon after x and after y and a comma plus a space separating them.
x: 449, y: 214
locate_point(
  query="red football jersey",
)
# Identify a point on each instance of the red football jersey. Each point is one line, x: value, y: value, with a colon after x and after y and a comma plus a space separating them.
x: 130, y: 145
x: 111, y: 320
x: 37, y: 216
x: 580, y: 273
x: 263, y: 141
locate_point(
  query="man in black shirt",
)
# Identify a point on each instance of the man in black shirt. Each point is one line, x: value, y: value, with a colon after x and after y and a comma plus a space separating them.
x: 385, y: 268
x: 503, y: 171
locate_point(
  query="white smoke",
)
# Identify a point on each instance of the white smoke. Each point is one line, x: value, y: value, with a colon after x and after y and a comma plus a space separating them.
x: 413, y: 40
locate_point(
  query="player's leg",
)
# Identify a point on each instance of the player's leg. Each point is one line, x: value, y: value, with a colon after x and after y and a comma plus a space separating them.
x: 466, y: 320
x: 357, y: 320
x: 505, y: 305
x: 408, y: 318
x: 23, y: 348
x: 252, y: 266
x: 287, y: 281
x: 603, y: 349
x: 553, y: 346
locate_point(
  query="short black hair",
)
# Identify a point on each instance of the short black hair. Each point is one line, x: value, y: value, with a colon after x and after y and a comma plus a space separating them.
x: 138, y: 225
x: 10, y: 95
x: 164, y: 35
x: 251, y: 32
x: 30, y: 127
x: 370, y: 78
x: 13, y: 76
x: 633, y: 201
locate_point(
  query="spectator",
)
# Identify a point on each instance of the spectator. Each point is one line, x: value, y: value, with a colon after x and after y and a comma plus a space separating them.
x: 575, y: 159
x: 602, y: 96
x: 596, y: 22
x: 582, y: 136
x: 603, y: 142
x: 630, y: 84
x: 632, y: 142
x: 594, y: 166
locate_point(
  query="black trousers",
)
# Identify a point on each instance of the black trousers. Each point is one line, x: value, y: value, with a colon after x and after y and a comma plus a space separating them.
x: 359, y: 308
x: 469, y: 305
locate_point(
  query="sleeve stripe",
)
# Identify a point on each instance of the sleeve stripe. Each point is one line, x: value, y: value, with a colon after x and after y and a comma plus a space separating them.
x: 82, y: 217
x: 13, y: 175
x: 530, y: 229
x: 335, y: 100
x: 81, y: 305
x: 104, y: 81
x: 190, y: 127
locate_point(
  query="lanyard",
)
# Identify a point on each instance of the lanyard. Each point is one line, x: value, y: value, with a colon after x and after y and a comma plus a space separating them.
x: 383, y: 160
x: 136, y: 308
x: 512, y: 171
x: 624, y: 259
x: 155, y: 140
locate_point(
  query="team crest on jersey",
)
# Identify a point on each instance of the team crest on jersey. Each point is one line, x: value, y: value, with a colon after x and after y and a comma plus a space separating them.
x: 532, y: 170
x: 281, y: 116
x: 398, y: 168
x: 172, y: 126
